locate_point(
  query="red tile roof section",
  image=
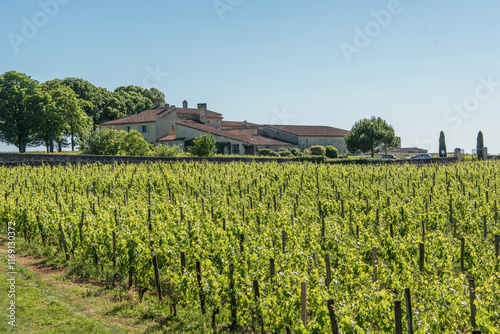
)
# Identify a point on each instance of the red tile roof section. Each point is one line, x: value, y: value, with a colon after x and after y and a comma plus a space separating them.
x: 146, y: 116
x: 191, y: 111
x: 169, y: 138
x: 152, y: 115
x: 239, y: 124
x: 310, y: 130
x: 249, y: 139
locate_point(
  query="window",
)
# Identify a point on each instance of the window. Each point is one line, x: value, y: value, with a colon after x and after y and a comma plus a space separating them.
x: 235, y: 149
x: 128, y: 128
x: 144, y: 129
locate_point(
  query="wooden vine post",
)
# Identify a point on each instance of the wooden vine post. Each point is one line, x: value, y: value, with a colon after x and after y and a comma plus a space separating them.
x: 462, y: 253
x: 303, y: 303
x: 63, y: 242
x: 232, y: 294
x: 199, y: 278
x: 283, y: 241
x: 183, y: 261
x: 472, y: 295
x: 333, y: 319
x: 497, y: 245
x: 409, y: 315
x: 421, y: 256
x: 260, y: 320
x: 328, y: 271
x: 114, y: 250
x: 271, y: 269
x: 397, y: 317
x: 157, y: 276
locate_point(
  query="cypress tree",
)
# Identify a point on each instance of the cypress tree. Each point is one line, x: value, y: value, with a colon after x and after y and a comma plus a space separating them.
x: 442, y: 145
x: 480, y: 146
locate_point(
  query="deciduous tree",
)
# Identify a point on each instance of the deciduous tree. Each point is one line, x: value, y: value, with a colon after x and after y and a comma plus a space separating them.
x: 22, y: 108
x: 371, y: 135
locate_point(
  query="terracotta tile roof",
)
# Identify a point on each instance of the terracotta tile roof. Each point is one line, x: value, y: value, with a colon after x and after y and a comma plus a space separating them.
x: 145, y: 116
x: 310, y: 130
x: 152, y: 115
x: 249, y: 139
x: 169, y: 138
x: 233, y: 124
x: 192, y: 111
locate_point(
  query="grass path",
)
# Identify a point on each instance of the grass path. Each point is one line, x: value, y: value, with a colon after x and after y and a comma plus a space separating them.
x: 48, y: 302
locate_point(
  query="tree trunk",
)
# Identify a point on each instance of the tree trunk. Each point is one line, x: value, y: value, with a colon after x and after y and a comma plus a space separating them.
x: 72, y: 140
x: 21, y: 145
x: 59, y: 146
x: 373, y: 153
x: 51, y: 145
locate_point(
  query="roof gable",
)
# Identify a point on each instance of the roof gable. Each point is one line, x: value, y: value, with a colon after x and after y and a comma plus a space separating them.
x: 152, y: 115
x: 146, y: 116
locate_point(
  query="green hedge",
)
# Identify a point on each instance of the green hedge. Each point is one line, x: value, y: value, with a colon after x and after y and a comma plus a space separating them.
x: 221, y: 145
x: 318, y: 159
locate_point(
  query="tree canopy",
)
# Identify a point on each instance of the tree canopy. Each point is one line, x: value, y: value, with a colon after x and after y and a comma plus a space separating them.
x: 371, y: 135
x: 32, y: 113
x: 22, y: 110
x: 66, y: 113
x: 108, y: 105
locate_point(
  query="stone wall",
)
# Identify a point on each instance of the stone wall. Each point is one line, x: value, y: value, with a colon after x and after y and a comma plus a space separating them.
x: 30, y: 159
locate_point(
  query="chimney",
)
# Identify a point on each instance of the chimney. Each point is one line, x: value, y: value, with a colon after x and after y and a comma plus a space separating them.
x: 245, y: 124
x: 167, y: 105
x: 157, y: 103
x: 184, y: 104
x: 202, y: 107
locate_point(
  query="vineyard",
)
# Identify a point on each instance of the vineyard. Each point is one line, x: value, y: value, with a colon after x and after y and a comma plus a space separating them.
x: 290, y: 248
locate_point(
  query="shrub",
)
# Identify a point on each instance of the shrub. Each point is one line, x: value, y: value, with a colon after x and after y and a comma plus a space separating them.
x: 294, y: 151
x: 265, y: 152
x: 135, y: 144
x: 332, y: 152
x: 285, y: 153
x: 167, y: 151
x: 115, y: 142
x: 221, y: 146
x: 203, y: 146
x: 249, y: 149
x: 317, y: 150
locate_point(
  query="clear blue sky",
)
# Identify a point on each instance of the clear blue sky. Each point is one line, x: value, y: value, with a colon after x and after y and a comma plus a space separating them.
x: 425, y: 67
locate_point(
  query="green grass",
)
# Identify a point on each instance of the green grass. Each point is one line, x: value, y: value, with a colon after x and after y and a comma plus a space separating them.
x: 40, y: 309
x: 53, y: 297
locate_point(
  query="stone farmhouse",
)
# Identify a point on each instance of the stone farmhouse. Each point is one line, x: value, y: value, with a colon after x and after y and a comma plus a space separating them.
x: 171, y: 125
